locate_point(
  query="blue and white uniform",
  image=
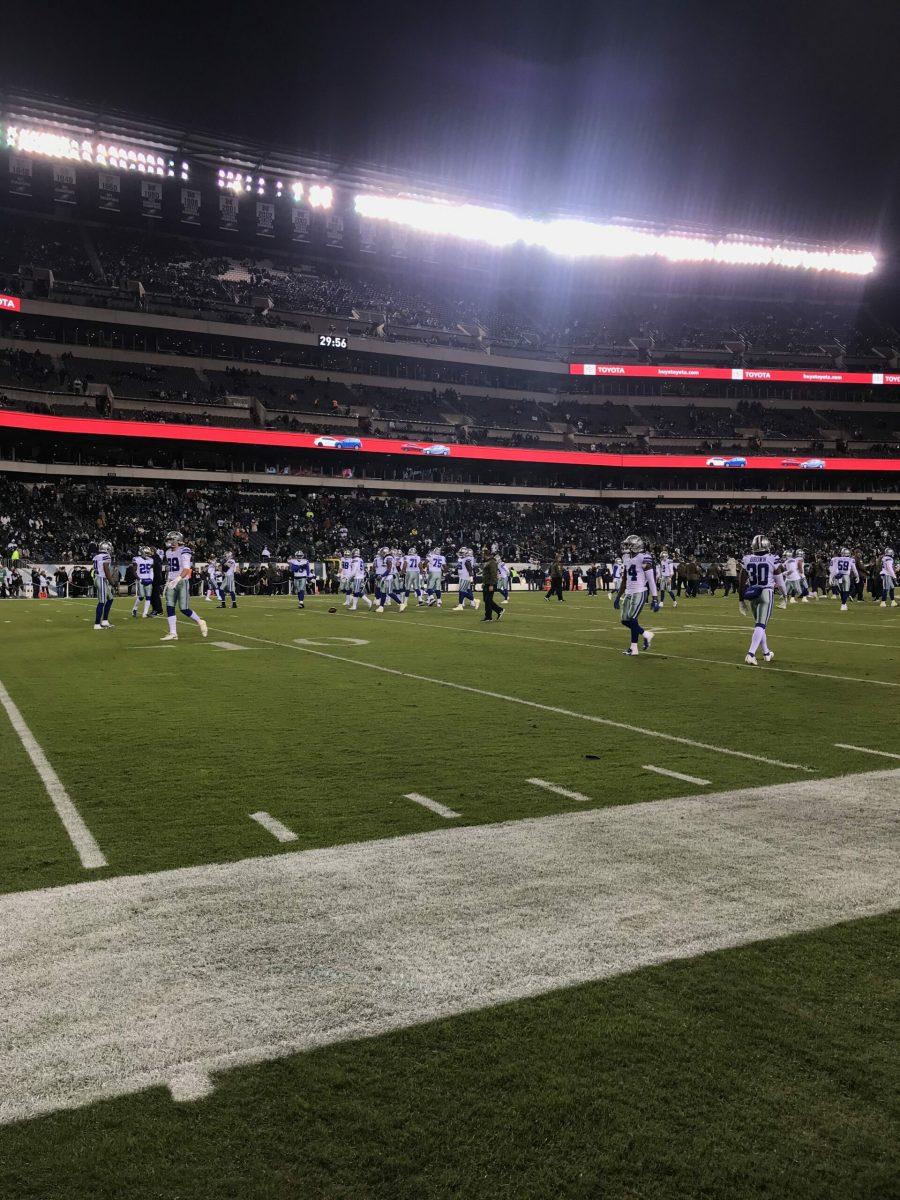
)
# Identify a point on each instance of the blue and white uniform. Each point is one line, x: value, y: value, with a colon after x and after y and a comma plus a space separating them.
x: 640, y: 578
x: 214, y: 576
x: 413, y: 575
x: 842, y: 573
x: 229, y: 566
x: 503, y: 578
x: 301, y: 573
x: 179, y: 563
x: 465, y: 568
x: 888, y: 579
x: 143, y: 582
x: 101, y: 583
x: 435, y: 580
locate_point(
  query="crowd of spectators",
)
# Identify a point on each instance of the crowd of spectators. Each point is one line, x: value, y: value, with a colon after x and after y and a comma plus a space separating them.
x: 265, y: 287
x: 66, y: 519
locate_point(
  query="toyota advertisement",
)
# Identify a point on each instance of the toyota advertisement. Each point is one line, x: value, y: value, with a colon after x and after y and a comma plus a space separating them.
x: 734, y: 374
x: 347, y: 443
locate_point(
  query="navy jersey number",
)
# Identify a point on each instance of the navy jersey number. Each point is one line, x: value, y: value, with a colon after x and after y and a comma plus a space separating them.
x: 758, y: 573
x: 632, y: 572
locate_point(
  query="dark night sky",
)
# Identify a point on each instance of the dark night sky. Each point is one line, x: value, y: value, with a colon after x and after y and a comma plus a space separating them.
x: 779, y: 118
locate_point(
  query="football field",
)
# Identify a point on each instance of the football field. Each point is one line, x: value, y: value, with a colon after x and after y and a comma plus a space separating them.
x: 358, y: 905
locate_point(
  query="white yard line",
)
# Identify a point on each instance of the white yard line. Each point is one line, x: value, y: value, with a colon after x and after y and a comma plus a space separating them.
x: 245, y: 962
x: 866, y: 750
x: 81, y: 837
x: 550, y: 708
x: 435, y: 806
x: 675, y: 775
x: 557, y: 790
x: 277, y: 830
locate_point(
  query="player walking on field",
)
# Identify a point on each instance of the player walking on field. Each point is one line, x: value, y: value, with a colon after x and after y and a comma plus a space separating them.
x: 761, y: 573
x: 638, y: 579
x: 179, y: 568
x: 842, y: 572
x: 105, y: 584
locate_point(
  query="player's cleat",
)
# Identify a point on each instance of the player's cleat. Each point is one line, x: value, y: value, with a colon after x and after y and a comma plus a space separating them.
x: 502, y: 602
x: 170, y: 637
x: 134, y: 612
x: 883, y: 604
x: 750, y: 660
x: 500, y: 613
x: 893, y: 604
x: 648, y: 638
x: 631, y: 652
x: 301, y: 605
x: 782, y: 603
x: 98, y: 626
x: 379, y: 608
x: 768, y: 655
x: 843, y: 608
x: 476, y: 605
x: 402, y: 607
x: 204, y: 628
x: 222, y: 605
x: 674, y: 603
x: 458, y: 608
x: 106, y: 625
x: 793, y: 600
x: 804, y: 600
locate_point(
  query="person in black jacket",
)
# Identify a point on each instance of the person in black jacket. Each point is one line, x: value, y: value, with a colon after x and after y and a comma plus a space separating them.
x: 156, y: 608
x: 489, y: 577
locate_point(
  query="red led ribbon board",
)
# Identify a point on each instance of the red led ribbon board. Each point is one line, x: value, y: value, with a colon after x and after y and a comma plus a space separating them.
x: 733, y: 374
x: 424, y: 451
x: 10, y: 303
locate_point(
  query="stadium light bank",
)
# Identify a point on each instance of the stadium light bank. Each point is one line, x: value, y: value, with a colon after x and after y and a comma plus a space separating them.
x: 572, y: 238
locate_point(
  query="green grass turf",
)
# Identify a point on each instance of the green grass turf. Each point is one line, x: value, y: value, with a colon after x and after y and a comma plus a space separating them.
x: 761, y: 1072
x: 166, y: 750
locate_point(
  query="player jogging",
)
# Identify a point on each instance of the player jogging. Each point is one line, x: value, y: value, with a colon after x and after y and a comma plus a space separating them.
x: 638, y: 577
x: 465, y: 566
x: 179, y: 568
x: 666, y: 580
x: 300, y: 570
x: 760, y: 574
x: 104, y: 585
x: 435, y: 579
x: 357, y: 583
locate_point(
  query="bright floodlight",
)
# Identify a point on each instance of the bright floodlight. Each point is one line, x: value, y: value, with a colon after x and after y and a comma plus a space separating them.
x: 588, y: 239
x: 320, y: 196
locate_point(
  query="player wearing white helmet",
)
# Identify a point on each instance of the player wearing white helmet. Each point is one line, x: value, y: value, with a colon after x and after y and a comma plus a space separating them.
x: 229, y: 566
x: 842, y: 572
x: 666, y: 576
x: 413, y: 578
x: 105, y: 583
x: 465, y: 567
x: 357, y: 582
x: 760, y: 574
x: 888, y: 579
x: 179, y: 568
x: 638, y: 578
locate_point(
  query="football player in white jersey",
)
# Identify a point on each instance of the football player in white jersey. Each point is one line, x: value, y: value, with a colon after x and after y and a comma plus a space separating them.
x: 179, y: 567
x: 760, y: 574
x: 413, y: 579
x: 435, y: 580
x: 503, y: 581
x: 465, y: 566
x: 105, y: 584
x: 357, y: 582
x: 616, y: 581
x: 213, y: 576
x: 344, y: 577
x: 143, y: 580
x: 666, y: 579
x: 301, y: 571
x: 229, y: 566
x: 841, y: 572
x: 638, y: 578
x: 888, y: 579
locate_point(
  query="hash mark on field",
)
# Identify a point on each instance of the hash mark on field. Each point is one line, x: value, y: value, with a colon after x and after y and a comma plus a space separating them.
x: 550, y: 708
x: 866, y: 750
x: 557, y: 790
x: 229, y: 646
x: 434, y: 805
x: 277, y: 830
x: 675, y: 774
x: 79, y: 834
x: 191, y: 1085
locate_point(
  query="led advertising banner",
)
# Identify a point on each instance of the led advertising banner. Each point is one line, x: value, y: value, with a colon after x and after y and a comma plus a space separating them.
x: 10, y: 304
x: 343, y: 442
x: 734, y: 374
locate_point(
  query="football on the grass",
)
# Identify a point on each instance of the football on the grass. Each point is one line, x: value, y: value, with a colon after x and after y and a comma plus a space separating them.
x: 332, y: 610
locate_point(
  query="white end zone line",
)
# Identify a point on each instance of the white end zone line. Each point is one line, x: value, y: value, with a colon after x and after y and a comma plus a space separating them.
x: 557, y: 790
x: 866, y: 750
x: 434, y: 805
x: 81, y: 837
x: 550, y: 708
x: 277, y: 830
x: 676, y: 775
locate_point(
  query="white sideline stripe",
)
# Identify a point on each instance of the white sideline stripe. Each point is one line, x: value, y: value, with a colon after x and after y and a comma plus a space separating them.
x: 675, y: 774
x: 866, y: 750
x: 79, y: 834
x: 191, y: 1085
x: 228, y: 646
x: 279, y: 831
x: 551, y: 708
x: 271, y: 956
x: 434, y: 805
x: 559, y: 791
